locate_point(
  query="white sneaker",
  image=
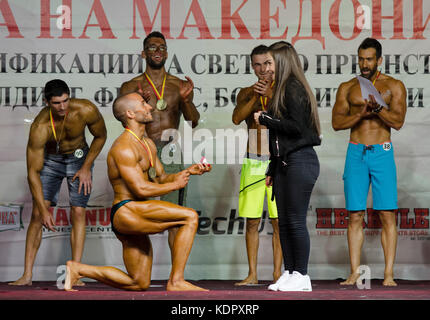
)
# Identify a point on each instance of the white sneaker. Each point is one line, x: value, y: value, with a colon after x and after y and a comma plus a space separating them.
x: 296, y: 282
x: 283, y: 278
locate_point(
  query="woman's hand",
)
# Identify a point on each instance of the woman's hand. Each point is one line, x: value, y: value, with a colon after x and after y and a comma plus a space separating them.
x: 256, y: 116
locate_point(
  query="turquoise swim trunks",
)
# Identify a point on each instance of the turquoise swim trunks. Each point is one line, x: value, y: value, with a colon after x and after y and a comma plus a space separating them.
x: 367, y: 165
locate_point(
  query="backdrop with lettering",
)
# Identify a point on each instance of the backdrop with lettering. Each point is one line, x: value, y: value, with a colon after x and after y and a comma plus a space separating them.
x: 96, y: 45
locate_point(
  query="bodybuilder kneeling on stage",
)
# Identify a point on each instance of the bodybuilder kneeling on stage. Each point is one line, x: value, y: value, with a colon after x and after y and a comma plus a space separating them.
x: 136, y: 174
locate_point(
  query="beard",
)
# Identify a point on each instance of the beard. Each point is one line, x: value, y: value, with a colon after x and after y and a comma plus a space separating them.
x: 144, y: 117
x: 155, y: 65
x: 372, y: 72
x: 147, y: 119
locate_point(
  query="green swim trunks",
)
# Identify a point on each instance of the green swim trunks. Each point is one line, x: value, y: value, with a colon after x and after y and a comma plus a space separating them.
x: 173, y: 153
x: 253, y: 190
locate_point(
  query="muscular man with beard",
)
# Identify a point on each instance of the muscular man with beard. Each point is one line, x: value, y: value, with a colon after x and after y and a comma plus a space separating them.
x: 370, y: 157
x: 169, y: 97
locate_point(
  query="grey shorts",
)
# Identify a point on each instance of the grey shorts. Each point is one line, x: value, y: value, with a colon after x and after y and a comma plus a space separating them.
x: 56, y: 167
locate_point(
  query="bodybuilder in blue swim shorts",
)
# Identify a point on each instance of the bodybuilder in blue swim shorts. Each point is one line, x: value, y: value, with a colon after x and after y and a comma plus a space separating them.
x: 370, y: 157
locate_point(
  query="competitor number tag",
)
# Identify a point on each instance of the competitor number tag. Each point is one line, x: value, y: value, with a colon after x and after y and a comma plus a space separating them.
x: 79, y: 153
x: 386, y: 146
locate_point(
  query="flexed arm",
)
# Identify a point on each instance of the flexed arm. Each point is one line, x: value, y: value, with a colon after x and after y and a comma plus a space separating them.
x: 130, y: 170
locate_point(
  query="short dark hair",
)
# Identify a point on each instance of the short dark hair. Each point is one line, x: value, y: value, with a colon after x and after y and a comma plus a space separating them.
x: 261, y: 49
x: 55, y: 88
x: 371, y: 43
x: 153, y: 34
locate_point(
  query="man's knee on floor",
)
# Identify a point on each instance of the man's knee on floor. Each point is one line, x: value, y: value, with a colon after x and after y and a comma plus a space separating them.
x: 142, y: 283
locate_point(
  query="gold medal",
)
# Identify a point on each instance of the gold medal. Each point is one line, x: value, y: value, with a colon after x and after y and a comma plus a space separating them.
x: 161, y: 104
x: 152, y: 173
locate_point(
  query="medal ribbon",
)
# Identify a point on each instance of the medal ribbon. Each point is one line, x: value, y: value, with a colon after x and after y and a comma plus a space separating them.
x: 154, y: 88
x: 264, y: 102
x: 53, y: 126
x: 377, y: 76
x: 151, y: 163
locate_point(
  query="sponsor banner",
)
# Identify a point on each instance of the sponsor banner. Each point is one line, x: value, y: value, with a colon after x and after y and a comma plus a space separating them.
x: 97, y: 221
x: 10, y: 217
x: 96, y: 45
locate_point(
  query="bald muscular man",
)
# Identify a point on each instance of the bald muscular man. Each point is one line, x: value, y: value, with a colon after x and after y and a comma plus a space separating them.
x: 136, y: 174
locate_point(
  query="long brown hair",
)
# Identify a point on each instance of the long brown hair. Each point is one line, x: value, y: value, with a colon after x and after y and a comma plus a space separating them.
x: 287, y: 63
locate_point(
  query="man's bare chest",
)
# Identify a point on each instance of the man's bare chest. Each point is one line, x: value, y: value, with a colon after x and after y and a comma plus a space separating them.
x: 170, y: 93
x: 69, y: 128
x: 355, y: 97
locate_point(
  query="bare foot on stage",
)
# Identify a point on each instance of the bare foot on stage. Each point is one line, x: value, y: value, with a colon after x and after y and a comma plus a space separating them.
x: 352, y: 280
x: 389, y: 282
x: 183, y: 286
x: 80, y: 283
x: 72, y: 276
x: 23, y: 281
x: 247, y: 281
